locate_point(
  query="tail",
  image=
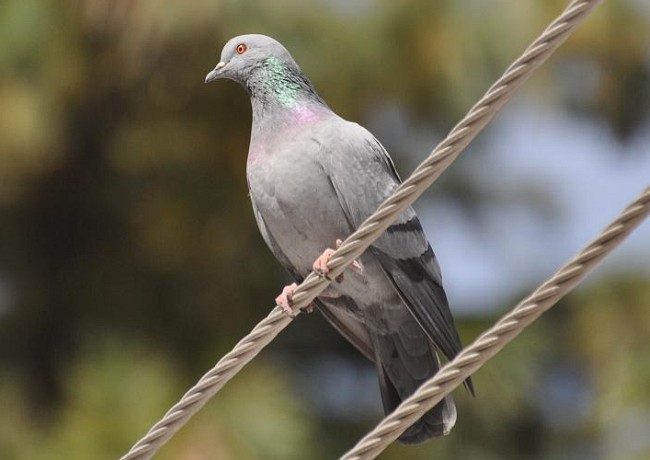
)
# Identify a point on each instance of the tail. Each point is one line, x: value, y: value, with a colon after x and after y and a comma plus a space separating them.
x: 404, y: 362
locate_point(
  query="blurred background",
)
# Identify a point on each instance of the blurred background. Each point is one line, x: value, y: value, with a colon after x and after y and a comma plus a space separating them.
x: 130, y: 260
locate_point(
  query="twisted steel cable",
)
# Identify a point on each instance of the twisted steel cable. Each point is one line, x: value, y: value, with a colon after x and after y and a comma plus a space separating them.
x: 506, y: 329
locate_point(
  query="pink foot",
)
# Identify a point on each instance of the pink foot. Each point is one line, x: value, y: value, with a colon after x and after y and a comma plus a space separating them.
x: 320, y: 264
x: 284, y: 300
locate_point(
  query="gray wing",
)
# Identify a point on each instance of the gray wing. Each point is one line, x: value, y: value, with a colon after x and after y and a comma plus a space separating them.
x: 363, y: 176
x: 410, y: 264
x: 335, y: 310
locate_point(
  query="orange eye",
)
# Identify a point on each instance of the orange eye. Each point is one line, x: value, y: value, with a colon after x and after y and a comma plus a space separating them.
x: 241, y: 48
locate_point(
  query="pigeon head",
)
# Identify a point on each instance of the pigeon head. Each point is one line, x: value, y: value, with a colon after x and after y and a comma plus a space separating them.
x: 242, y: 55
x: 265, y: 68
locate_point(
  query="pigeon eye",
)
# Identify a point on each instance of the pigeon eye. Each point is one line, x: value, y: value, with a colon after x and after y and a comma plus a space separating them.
x: 241, y: 48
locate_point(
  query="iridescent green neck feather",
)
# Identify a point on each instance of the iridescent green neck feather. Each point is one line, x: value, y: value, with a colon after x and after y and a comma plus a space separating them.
x: 281, y: 85
x: 275, y: 82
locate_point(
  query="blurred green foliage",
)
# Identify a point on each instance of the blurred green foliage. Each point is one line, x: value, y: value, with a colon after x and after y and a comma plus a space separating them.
x: 102, y: 412
x: 130, y: 261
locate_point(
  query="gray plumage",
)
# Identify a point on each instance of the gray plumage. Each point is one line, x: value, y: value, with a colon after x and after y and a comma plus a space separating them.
x: 313, y: 178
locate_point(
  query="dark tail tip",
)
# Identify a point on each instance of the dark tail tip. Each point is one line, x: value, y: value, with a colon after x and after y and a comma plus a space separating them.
x: 435, y: 423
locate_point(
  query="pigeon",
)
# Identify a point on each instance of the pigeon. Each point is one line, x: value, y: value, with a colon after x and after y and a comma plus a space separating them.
x: 313, y: 178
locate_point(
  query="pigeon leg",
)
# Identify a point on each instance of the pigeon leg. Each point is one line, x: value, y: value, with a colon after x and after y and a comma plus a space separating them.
x: 320, y: 264
x: 284, y: 300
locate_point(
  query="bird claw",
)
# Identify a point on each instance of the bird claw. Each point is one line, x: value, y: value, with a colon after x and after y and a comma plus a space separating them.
x: 320, y: 264
x: 284, y: 300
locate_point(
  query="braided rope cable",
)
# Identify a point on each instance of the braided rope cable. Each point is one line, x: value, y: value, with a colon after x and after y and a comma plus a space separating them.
x: 506, y: 329
x: 423, y: 176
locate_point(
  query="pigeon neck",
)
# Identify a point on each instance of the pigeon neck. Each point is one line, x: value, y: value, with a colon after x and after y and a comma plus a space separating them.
x: 276, y: 85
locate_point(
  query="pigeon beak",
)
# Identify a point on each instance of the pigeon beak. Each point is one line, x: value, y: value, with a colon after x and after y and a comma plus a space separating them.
x: 214, y: 74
